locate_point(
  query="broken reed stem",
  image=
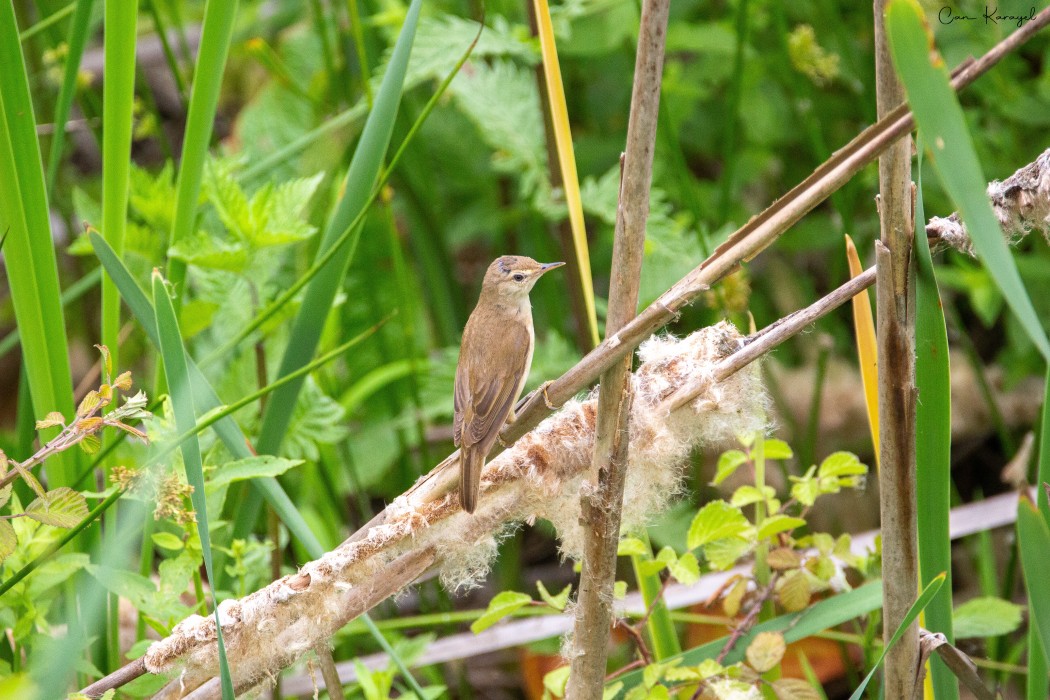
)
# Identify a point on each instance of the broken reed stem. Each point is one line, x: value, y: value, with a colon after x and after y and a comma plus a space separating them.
x: 744, y: 244
x: 601, y: 499
x: 895, y: 301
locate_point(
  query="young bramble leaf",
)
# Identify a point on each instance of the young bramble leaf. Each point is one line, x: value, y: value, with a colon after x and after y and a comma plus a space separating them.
x: 795, y: 689
x: 107, y: 361
x: 555, y: 681
x: 50, y: 420
x: 722, y: 554
x: 89, y: 404
x: 612, y: 691
x: 558, y: 602
x: 632, y: 547
x: 777, y: 449
x: 766, y: 651
x: 727, y: 464
x: 776, y: 524
x: 504, y: 604
x: 715, y: 521
x: 746, y: 495
x: 685, y: 569
x: 8, y: 540
x: 90, y: 444
x: 842, y: 464
x: 88, y: 425
x: 168, y: 540
x: 731, y: 603
x: 793, y: 591
x: 783, y: 559
x: 61, y: 507
x: 123, y: 382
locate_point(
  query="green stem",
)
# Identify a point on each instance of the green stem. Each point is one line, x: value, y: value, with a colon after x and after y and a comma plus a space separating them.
x: 661, y: 629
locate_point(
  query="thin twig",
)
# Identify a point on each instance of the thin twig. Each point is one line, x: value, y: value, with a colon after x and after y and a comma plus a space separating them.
x: 750, y: 619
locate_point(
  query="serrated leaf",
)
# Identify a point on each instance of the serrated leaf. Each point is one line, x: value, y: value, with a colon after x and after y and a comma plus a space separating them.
x: 715, y: 521
x: 168, y: 540
x: 501, y: 606
x: 795, y: 689
x: 650, y: 567
x: 8, y: 540
x: 685, y: 569
x: 840, y: 464
x: 556, y: 680
x: 776, y: 524
x: 766, y: 651
x: 123, y: 381
x: 90, y: 444
x: 986, y: 617
x: 558, y: 602
x: 793, y: 591
x: 777, y: 449
x: 50, y: 420
x: 260, y: 466
x: 728, y: 463
x: 632, y: 547
x: 87, y: 425
x: 60, y: 507
x: 722, y: 554
x: 89, y: 404
x: 746, y: 495
x: 783, y: 559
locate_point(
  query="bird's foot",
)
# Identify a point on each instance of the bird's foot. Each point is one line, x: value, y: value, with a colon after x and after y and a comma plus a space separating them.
x: 546, y: 399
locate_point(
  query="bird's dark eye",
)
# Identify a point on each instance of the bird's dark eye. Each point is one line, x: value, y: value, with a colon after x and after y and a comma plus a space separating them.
x: 519, y: 277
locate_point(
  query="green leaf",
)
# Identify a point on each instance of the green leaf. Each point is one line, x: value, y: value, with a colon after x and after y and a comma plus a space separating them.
x: 558, y: 602
x: 8, y: 540
x: 841, y: 464
x: 775, y: 524
x: 943, y: 129
x: 746, y: 495
x: 715, y: 521
x: 766, y: 651
x: 728, y: 463
x: 168, y: 540
x: 556, y: 681
x: 251, y: 468
x: 1033, y: 539
x: 722, y: 554
x: 501, y: 606
x: 685, y: 569
x: 777, y: 449
x: 632, y: 547
x: 986, y: 617
x: 620, y: 590
x: 60, y: 507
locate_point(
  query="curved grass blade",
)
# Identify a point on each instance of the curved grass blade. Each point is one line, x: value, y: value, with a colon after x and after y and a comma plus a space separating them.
x: 933, y: 445
x: 944, y: 131
x: 216, y: 33
x: 78, y: 34
x: 360, y: 179
x: 24, y: 218
x: 178, y: 377
x: 867, y: 351
x: 566, y: 158
x: 118, y: 98
x: 913, y: 612
x: 1033, y: 539
x: 1038, y: 686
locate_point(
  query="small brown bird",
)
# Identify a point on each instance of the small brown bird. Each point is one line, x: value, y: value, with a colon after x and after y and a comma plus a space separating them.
x: 494, y: 361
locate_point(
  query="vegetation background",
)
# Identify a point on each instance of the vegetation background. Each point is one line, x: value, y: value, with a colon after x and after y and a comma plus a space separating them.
x: 755, y: 96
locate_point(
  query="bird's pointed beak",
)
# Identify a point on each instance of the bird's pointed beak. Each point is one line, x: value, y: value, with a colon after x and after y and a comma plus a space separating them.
x: 547, y: 267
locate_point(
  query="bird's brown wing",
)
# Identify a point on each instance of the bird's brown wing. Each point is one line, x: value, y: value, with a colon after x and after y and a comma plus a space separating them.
x: 487, y: 385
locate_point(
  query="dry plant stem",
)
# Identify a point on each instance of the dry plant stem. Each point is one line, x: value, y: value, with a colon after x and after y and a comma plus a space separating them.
x: 895, y: 302
x: 750, y: 619
x: 329, y: 672
x: 957, y: 662
x: 116, y: 679
x: 601, y: 499
x: 742, y: 245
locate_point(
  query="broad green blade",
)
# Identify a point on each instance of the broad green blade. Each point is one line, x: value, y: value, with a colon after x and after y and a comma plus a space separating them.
x: 1033, y: 539
x: 943, y: 130
x: 29, y: 249
x: 933, y: 444
x: 364, y: 171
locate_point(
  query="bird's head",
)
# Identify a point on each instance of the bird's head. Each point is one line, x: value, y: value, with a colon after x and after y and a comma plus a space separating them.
x: 514, y: 275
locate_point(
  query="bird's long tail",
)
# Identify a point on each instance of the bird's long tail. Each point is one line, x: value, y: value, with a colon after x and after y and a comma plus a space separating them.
x: 470, y: 463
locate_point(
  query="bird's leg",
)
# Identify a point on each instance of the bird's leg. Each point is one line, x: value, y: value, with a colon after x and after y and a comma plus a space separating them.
x: 547, y: 399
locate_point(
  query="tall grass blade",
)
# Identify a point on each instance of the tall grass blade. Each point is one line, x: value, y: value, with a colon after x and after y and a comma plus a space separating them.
x: 1033, y: 540
x: 566, y: 158
x: 118, y: 96
x: 944, y: 131
x: 78, y: 34
x: 216, y: 33
x: 867, y: 351
x: 1038, y: 686
x: 933, y: 443
x: 364, y: 171
x: 178, y: 376
x: 25, y: 220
